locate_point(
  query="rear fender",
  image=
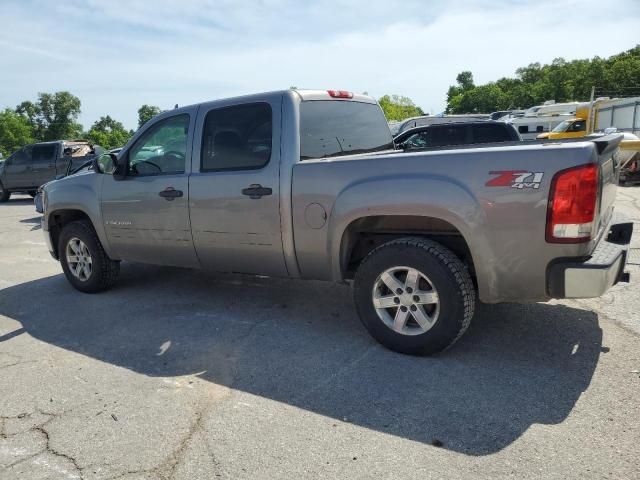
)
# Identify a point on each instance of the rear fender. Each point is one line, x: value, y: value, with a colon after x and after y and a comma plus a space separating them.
x: 429, y: 196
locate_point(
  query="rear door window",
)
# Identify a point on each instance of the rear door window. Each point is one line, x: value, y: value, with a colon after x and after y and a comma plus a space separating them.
x: 43, y: 153
x: 237, y: 138
x: 490, y: 134
x: 443, y: 135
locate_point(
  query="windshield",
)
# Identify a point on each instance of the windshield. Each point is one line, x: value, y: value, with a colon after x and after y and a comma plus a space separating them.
x: 331, y: 128
x: 562, y: 127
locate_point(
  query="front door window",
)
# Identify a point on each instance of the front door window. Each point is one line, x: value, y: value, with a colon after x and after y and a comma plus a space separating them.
x: 161, y: 150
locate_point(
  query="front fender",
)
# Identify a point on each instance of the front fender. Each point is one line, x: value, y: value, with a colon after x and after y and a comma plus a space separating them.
x: 80, y: 193
x: 416, y: 195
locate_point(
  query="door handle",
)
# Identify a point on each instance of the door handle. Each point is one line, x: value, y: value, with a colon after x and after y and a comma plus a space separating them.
x: 170, y: 193
x: 256, y: 191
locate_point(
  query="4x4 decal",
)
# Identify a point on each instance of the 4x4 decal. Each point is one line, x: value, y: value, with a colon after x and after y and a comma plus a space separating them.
x: 516, y: 179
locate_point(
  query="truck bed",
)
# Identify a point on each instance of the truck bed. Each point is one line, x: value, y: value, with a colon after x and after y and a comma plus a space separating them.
x: 502, y: 227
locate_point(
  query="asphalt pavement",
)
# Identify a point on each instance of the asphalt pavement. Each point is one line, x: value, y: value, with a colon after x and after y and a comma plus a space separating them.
x: 179, y: 374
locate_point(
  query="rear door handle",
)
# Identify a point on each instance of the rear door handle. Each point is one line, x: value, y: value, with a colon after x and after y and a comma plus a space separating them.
x: 170, y: 193
x: 256, y: 191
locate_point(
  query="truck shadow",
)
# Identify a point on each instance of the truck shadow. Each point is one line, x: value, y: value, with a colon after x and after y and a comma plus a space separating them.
x: 20, y: 200
x: 301, y: 343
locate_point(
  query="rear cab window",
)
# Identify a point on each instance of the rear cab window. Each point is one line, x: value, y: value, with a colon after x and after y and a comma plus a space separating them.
x: 330, y: 128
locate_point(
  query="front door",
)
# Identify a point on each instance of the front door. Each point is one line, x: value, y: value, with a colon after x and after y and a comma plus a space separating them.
x: 146, y: 214
x: 18, y: 169
x: 234, y: 188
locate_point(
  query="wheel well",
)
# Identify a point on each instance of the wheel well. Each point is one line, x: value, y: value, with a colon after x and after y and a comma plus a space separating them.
x: 60, y: 218
x: 367, y: 233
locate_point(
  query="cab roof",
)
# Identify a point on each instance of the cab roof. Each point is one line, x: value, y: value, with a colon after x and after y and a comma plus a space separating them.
x: 309, y: 95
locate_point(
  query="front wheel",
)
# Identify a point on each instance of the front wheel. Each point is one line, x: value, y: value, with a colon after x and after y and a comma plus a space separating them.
x: 414, y: 296
x: 4, y: 194
x: 84, y: 262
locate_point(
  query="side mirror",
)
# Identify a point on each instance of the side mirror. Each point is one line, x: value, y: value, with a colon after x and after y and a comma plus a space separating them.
x: 107, y: 163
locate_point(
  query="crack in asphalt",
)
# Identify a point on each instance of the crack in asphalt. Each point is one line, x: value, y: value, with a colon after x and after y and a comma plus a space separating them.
x: 40, y: 428
x: 167, y: 469
x: 584, y: 304
x: 48, y: 448
x: 17, y: 363
x: 173, y: 461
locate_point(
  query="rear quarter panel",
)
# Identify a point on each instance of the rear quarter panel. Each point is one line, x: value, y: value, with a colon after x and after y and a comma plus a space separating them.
x: 504, y: 227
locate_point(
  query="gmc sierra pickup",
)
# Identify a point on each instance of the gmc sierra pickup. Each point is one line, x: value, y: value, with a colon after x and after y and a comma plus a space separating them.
x: 307, y: 184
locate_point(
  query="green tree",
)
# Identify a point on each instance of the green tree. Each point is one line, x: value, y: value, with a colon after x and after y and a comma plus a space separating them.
x: 108, y: 133
x: 15, y: 132
x: 146, y: 113
x: 397, y: 107
x: 561, y: 80
x: 465, y: 80
x: 53, y: 116
x: 455, y: 93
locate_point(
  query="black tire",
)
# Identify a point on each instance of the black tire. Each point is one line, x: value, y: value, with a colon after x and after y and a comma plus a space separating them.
x: 447, y: 274
x: 4, y: 194
x: 104, y: 271
x: 32, y: 193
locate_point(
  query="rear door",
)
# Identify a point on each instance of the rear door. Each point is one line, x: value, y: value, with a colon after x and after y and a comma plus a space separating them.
x: 43, y: 163
x: 146, y: 214
x: 234, y: 188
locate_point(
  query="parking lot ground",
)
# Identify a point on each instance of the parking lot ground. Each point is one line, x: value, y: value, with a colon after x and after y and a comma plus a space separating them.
x: 178, y: 374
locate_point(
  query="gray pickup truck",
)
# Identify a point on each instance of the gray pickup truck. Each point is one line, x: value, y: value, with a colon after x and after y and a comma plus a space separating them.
x: 307, y: 184
x: 34, y: 165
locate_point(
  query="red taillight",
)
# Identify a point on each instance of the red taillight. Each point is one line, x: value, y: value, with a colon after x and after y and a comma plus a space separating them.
x: 340, y: 94
x: 572, y: 205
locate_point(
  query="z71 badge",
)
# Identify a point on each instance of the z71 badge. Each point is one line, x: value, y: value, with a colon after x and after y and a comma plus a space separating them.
x: 516, y: 179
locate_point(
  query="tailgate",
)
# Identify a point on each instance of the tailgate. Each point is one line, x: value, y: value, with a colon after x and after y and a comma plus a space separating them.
x: 606, y: 147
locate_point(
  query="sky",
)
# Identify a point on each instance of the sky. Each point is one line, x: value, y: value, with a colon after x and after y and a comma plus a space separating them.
x: 116, y: 55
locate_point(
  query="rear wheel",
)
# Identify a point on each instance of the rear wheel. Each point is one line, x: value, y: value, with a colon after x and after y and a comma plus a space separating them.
x: 4, y: 194
x: 414, y: 296
x: 84, y: 262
